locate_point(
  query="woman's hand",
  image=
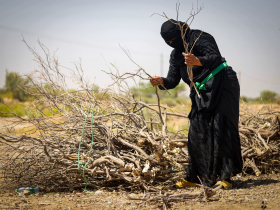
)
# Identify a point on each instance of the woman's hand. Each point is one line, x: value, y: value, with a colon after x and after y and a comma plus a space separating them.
x: 190, y: 59
x: 156, y: 80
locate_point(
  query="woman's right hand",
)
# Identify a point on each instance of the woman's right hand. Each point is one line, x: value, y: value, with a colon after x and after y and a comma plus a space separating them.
x: 156, y: 80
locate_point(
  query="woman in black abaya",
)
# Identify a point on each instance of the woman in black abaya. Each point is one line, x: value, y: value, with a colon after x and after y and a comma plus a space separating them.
x: 213, y: 139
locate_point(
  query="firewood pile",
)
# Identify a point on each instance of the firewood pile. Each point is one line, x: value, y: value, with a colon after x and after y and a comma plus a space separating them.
x: 108, y: 138
x: 95, y: 137
x: 260, y: 134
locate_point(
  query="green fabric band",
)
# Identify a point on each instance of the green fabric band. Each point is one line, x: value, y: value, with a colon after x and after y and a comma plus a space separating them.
x: 200, y: 86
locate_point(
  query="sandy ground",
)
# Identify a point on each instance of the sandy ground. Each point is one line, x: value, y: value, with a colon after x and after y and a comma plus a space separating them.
x: 8, y: 122
x: 249, y: 192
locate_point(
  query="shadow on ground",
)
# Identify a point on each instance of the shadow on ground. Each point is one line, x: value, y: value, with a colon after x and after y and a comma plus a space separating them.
x: 238, y: 184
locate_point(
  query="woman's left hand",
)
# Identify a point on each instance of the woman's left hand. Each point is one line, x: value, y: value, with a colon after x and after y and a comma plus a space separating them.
x: 190, y: 59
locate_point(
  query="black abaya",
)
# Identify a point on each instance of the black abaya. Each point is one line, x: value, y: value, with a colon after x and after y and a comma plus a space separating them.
x: 214, y: 143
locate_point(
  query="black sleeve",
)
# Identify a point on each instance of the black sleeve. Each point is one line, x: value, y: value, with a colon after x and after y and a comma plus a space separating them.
x: 208, y: 51
x: 174, y: 76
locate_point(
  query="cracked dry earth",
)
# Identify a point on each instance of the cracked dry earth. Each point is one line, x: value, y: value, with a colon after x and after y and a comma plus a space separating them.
x: 249, y: 192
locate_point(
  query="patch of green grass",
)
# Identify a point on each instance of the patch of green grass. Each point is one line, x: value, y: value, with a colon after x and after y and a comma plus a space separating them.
x: 43, y: 111
x: 9, y: 110
x: 4, y: 94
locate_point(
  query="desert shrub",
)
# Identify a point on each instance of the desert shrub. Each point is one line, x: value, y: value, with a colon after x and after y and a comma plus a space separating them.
x: 8, y: 95
x: 244, y: 98
x: 268, y: 96
x: 14, y: 84
x: 5, y: 94
x: 278, y: 100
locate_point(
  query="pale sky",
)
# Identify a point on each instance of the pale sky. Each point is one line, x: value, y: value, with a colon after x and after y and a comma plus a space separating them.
x: 246, y: 31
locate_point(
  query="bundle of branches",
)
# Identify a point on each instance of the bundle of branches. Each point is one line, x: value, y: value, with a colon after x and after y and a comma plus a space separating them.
x: 260, y: 135
x: 118, y: 141
x: 115, y: 143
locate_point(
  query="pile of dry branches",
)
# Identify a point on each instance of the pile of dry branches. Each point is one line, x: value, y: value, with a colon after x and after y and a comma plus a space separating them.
x: 260, y: 134
x: 118, y: 143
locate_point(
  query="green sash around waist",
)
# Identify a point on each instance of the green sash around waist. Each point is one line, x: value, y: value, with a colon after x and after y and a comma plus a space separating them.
x: 200, y: 86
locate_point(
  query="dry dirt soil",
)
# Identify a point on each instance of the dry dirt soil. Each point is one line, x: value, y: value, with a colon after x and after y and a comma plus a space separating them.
x: 249, y: 192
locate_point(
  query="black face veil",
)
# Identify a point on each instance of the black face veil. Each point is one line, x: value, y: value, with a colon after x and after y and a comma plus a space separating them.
x: 171, y: 32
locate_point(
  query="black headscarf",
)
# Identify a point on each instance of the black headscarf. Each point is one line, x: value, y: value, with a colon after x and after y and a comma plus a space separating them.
x: 170, y: 31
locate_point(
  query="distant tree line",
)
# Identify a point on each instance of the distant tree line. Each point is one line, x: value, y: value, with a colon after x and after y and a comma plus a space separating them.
x: 15, y: 84
x: 266, y: 96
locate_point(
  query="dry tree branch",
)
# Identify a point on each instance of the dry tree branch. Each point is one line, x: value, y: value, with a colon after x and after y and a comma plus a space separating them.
x: 183, y: 28
x: 140, y: 68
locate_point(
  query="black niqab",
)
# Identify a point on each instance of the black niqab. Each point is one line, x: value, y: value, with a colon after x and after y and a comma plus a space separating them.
x: 170, y: 31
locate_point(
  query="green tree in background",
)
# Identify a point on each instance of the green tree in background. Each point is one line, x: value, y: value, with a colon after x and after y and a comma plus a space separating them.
x: 13, y: 82
x: 268, y: 96
x: 244, y: 98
